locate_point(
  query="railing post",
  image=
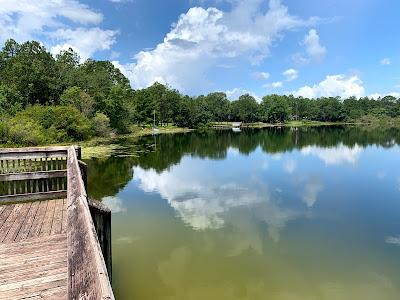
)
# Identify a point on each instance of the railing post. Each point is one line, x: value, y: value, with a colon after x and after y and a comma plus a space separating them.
x: 78, y: 150
x: 83, y: 168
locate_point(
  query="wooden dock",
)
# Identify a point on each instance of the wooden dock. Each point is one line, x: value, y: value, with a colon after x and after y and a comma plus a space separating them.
x: 49, y: 244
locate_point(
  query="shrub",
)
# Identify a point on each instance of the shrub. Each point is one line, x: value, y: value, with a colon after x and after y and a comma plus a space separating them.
x: 25, y: 131
x: 71, y: 122
x: 101, y: 125
x: 59, y: 123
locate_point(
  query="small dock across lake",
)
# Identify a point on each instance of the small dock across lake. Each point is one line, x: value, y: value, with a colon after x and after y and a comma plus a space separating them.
x: 54, y: 242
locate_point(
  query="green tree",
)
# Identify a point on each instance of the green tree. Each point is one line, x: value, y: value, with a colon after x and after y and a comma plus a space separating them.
x: 330, y: 109
x: 219, y: 106
x: 79, y: 99
x: 11, y: 100
x: 68, y: 64
x: 245, y: 109
x: 119, y: 108
x: 275, y: 108
x: 32, y: 71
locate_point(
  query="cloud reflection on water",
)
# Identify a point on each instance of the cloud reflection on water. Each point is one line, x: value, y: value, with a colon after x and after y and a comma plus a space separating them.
x: 338, y: 155
x: 114, y: 203
x: 311, y: 190
x: 206, y: 202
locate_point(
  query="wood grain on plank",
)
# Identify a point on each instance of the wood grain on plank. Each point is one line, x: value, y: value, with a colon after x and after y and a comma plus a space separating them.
x: 57, y: 219
x: 19, y: 221
x: 10, y: 221
x: 26, y: 226
x: 48, y: 218
x: 4, y: 214
x: 34, y: 269
x: 38, y: 221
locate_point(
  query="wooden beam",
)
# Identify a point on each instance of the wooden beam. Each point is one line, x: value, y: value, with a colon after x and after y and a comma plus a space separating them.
x: 33, y: 175
x: 87, y: 272
x: 35, y: 149
x: 14, y: 155
x: 32, y: 197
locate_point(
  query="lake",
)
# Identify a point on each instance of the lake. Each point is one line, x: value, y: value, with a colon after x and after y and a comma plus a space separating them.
x: 278, y: 213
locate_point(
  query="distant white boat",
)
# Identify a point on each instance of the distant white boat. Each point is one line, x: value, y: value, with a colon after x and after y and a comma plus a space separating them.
x: 236, y: 129
x: 236, y: 124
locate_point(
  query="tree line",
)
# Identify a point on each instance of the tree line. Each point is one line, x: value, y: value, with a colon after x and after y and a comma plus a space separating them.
x: 49, y: 99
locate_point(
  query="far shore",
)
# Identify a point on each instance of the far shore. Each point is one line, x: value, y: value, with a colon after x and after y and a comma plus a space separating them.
x: 139, y: 131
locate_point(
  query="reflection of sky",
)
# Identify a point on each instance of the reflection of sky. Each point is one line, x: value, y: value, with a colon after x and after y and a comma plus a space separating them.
x: 335, y: 155
x: 272, y: 218
x: 206, y: 199
x: 114, y: 203
x: 274, y: 189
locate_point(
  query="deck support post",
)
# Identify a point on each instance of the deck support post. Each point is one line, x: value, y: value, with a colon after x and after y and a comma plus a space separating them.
x: 101, y: 216
x: 83, y: 168
x: 78, y: 150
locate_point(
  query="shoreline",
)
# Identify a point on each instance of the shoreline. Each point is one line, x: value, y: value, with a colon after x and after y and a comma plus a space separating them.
x: 146, y: 131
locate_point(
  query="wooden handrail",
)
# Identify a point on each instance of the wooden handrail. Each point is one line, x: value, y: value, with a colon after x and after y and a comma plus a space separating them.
x: 33, y: 175
x: 33, y: 153
x: 87, y: 272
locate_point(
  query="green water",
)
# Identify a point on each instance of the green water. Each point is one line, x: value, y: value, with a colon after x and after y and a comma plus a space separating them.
x: 311, y: 213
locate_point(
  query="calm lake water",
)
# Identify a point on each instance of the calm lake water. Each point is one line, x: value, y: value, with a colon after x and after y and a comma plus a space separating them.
x: 310, y: 213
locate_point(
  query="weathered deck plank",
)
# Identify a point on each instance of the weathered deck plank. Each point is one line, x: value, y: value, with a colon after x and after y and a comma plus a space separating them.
x: 33, y: 251
x: 49, y: 249
x: 19, y: 221
x: 26, y: 227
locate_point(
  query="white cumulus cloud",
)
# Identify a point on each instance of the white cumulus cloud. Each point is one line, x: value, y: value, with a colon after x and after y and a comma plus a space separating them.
x: 314, y: 51
x: 58, y: 24
x: 332, y: 86
x: 379, y: 95
x: 202, y: 37
x: 84, y: 41
x: 290, y: 74
x: 313, y: 46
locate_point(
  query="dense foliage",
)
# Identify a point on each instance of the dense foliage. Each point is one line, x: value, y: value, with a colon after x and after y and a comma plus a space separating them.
x: 46, y: 99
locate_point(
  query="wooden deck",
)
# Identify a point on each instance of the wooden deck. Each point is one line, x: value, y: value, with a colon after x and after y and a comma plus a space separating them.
x: 33, y: 250
x: 51, y: 249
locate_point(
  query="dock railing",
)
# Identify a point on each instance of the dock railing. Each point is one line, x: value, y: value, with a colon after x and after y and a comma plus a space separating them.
x: 30, y: 174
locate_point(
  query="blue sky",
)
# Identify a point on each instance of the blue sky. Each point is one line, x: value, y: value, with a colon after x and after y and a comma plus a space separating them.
x: 310, y: 48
